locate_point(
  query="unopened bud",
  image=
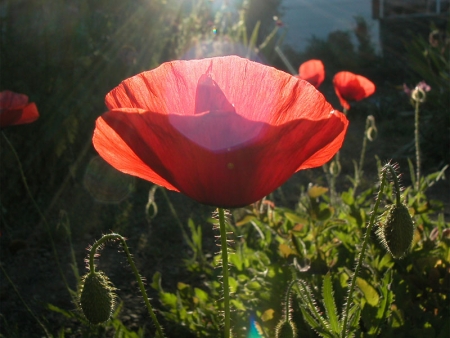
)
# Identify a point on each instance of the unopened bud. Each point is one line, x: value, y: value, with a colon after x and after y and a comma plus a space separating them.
x: 97, y: 297
x: 396, y: 234
x: 418, y: 95
x: 335, y: 168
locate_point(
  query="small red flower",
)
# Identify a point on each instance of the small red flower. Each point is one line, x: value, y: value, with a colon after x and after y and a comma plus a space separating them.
x: 224, y: 131
x: 15, y: 109
x: 312, y: 71
x: 352, y: 87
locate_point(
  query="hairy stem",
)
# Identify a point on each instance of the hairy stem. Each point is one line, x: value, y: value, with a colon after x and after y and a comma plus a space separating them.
x: 363, y: 150
x: 365, y: 243
x: 226, y: 289
x: 416, y: 136
x: 114, y: 236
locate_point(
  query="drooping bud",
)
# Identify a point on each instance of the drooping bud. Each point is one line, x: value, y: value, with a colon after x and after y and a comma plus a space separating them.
x: 396, y: 234
x: 286, y: 329
x: 335, y: 167
x: 97, y: 297
x: 371, y: 128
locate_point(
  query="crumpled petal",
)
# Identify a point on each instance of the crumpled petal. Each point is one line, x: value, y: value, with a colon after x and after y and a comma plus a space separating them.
x: 263, y: 126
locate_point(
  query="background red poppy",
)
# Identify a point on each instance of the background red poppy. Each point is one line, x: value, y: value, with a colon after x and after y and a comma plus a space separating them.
x: 312, y: 71
x: 225, y: 131
x: 352, y: 87
x: 15, y: 109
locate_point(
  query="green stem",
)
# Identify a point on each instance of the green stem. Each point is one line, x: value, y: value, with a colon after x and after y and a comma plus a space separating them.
x: 226, y: 290
x: 362, y: 253
x: 416, y: 134
x: 24, y: 303
x: 114, y: 236
x: 175, y: 215
x: 363, y: 150
x: 30, y: 195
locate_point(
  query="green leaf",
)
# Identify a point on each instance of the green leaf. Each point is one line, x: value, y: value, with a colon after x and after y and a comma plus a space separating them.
x: 168, y: 299
x: 253, y: 39
x: 329, y: 303
x: 65, y: 313
x: 384, y: 308
x: 201, y: 295
x: 353, y: 323
x: 347, y: 197
x: 238, y: 305
x: 370, y: 294
x: 308, y: 306
x: 156, y: 283
x: 245, y: 220
x: 254, y: 285
x: 233, y: 284
x: 316, y: 191
x: 412, y: 173
x: 294, y: 218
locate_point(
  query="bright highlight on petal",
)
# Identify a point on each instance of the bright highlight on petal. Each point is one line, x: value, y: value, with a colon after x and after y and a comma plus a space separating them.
x: 15, y: 109
x: 352, y: 87
x: 312, y: 71
x: 224, y: 131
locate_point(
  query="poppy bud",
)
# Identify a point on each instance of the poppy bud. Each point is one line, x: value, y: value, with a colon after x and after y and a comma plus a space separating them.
x: 286, y: 329
x: 418, y: 95
x: 97, y: 297
x: 371, y: 134
x: 335, y: 167
x: 396, y: 234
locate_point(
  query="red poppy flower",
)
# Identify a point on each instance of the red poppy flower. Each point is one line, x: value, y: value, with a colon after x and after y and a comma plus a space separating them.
x: 15, y: 109
x: 312, y: 71
x: 352, y: 87
x: 224, y: 131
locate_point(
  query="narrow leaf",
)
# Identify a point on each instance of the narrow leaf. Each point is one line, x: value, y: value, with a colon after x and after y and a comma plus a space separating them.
x: 253, y: 38
x: 330, y: 305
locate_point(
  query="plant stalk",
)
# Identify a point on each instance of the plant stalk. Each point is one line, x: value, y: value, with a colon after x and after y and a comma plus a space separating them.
x: 416, y: 134
x: 226, y: 289
x: 362, y: 253
x: 25, y: 304
x: 47, y: 226
x: 114, y: 236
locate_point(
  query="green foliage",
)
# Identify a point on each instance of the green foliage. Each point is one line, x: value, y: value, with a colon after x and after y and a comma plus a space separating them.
x: 313, y: 248
x: 429, y: 60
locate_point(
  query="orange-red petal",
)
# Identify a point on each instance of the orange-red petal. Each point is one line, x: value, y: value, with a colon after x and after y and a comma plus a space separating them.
x: 312, y: 71
x: 262, y: 126
x: 352, y: 87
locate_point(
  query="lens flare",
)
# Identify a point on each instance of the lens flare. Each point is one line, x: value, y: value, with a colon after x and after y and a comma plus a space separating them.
x: 106, y: 184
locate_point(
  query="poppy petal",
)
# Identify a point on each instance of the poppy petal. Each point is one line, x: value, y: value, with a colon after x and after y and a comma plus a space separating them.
x: 312, y: 71
x: 262, y: 126
x: 15, y: 109
x: 147, y: 145
x: 352, y: 87
x: 114, y: 150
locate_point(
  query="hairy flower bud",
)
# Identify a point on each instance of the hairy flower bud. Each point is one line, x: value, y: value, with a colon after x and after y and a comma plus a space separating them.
x: 396, y: 234
x: 97, y: 297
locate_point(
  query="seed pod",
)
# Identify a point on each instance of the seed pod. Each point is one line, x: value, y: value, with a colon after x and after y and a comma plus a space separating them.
x: 97, y: 297
x: 396, y: 234
x: 286, y: 329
